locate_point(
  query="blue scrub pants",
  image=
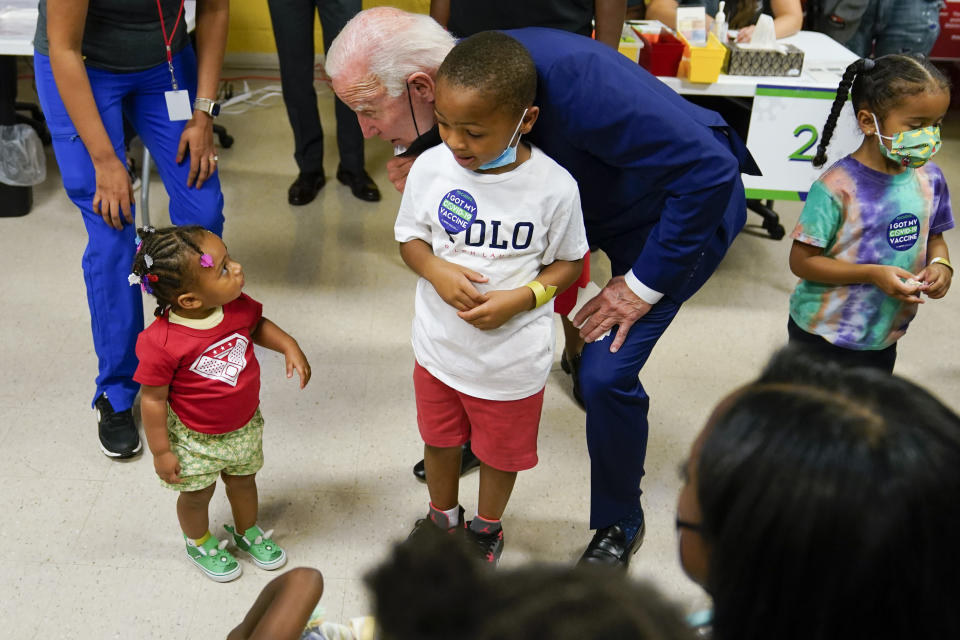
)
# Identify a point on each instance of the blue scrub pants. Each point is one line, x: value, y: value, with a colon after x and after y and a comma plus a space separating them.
x: 617, y: 413
x: 116, y: 311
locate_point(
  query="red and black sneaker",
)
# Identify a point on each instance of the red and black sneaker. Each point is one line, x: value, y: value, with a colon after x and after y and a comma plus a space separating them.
x: 436, y: 519
x: 488, y: 541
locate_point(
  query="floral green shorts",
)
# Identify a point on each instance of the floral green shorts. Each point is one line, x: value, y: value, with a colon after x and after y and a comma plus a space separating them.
x: 204, y: 455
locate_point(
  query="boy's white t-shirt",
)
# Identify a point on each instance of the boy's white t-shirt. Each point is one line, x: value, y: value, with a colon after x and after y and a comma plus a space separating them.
x: 525, y: 219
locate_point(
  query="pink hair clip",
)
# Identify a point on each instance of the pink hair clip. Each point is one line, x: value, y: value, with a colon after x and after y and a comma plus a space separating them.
x: 206, y: 260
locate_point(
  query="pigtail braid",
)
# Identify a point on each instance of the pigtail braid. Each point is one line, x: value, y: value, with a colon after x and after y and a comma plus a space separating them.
x: 855, y: 68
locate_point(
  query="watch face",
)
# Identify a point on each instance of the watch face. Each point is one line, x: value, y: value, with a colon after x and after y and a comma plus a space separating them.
x: 215, y: 109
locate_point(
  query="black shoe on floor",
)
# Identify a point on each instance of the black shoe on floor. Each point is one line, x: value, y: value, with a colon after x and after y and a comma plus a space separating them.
x: 573, y: 368
x: 610, y: 547
x: 119, y: 437
x: 305, y: 188
x: 489, y: 546
x: 468, y: 462
x: 361, y: 184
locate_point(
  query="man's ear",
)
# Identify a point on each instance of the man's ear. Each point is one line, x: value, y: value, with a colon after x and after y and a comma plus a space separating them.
x: 531, y: 117
x: 189, y: 300
x: 422, y: 86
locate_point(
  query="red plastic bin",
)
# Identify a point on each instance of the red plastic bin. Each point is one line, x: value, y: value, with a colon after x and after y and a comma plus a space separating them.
x: 661, y: 54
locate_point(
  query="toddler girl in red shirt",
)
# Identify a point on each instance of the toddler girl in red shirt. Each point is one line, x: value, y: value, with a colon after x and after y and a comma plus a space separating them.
x: 200, y: 389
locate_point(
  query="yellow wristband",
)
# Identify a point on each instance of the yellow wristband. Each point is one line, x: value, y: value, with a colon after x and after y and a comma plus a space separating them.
x: 942, y: 261
x: 543, y: 294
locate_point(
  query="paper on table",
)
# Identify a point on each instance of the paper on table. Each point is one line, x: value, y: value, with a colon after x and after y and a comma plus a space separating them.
x: 583, y: 295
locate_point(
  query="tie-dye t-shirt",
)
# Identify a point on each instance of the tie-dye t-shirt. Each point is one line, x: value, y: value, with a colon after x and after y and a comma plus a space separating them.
x: 864, y: 216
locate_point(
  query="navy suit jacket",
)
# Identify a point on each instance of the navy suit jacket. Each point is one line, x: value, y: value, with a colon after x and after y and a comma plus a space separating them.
x: 659, y: 177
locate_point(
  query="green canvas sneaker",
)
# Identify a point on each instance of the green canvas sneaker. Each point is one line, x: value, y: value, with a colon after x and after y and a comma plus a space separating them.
x: 215, y: 562
x: 264, y: 552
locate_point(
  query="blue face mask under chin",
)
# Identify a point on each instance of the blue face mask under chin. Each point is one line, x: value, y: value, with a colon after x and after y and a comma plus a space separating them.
x: 509, y: 155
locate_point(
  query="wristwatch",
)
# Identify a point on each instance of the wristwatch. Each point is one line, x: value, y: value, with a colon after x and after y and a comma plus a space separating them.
x: 209, y: 107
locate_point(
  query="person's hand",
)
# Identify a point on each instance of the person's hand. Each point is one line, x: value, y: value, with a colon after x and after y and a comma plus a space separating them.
x: 936, y: 280
x: 616, y: 304
x: 197, y: 140
x: 500, y: 306
x: 296, y: 360
x: 167, y: 466
x: 454, y: 284
x: 745, y: 33
x: 114, y: 194
x: 397, y: 170
x: 890, y: 280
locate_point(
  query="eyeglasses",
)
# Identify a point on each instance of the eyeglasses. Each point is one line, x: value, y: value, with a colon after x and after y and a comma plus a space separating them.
x: 693, y: 526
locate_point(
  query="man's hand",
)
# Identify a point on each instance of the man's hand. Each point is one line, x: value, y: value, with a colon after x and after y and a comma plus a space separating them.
x: 197, y: 139
x: 890, y: 280
x: 454, y: 284
x: 397, y: 170
x: 616, y: 304
x: 936, y: 278
x: 167, y: 466
x: 500, y: 306
x: 114, y: 194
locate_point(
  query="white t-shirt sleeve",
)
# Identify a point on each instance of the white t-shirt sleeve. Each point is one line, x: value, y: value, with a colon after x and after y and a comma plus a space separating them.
x: 412, y: 223
x: 566, y: 235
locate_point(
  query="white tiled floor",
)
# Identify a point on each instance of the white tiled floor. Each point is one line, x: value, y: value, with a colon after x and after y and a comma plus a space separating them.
x: 93, y: 545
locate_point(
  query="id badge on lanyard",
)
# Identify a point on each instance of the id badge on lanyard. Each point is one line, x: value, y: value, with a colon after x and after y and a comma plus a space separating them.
x: 178, y: 100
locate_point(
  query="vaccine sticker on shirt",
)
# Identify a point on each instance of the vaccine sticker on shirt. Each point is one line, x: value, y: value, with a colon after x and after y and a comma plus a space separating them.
x: 903, y: 231
x: 457, y: 211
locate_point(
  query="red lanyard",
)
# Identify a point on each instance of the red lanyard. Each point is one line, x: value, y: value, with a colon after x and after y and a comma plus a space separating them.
x: 168, y: 41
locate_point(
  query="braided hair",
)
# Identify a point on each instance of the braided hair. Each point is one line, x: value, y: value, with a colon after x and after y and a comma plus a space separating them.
x: 163, y: 262
x: 880, y: 85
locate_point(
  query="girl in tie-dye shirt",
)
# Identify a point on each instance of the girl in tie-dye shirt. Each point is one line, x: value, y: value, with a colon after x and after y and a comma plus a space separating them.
x: 870, y: 241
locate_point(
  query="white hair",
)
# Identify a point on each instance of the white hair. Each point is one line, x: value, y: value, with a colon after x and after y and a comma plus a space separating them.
x: 394, y: 44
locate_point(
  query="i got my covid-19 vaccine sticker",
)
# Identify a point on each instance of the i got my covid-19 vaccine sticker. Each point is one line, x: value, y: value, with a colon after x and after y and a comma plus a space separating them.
x: 457, y: 211
x: 903, y: 231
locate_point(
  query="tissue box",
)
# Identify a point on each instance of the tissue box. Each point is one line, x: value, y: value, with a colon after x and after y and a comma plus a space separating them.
x: 702, y: 64
x: 758, y: 62
x: 661, y: 53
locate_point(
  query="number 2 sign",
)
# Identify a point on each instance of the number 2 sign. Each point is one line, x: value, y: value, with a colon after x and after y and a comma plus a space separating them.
x: 785, y: 128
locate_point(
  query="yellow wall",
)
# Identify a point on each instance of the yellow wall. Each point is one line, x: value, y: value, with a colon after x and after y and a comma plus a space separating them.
x: 250, y: 30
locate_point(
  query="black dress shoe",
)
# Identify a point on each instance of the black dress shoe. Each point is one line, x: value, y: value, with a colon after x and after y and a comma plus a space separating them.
x: 361, y: 184
x: 304, y: 189
x: 573, y: 368
x: 610, y: 547
x: 468, y: 462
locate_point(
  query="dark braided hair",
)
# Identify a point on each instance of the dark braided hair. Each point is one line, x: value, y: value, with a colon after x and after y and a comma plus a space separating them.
x: 172, y: 251
x: 880, y: 85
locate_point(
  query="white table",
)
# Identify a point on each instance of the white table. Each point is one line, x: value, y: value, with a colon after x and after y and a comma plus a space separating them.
x: 824, y: 60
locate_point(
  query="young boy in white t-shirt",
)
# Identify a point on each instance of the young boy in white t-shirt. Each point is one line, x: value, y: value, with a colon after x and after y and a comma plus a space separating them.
x: 494, y: 228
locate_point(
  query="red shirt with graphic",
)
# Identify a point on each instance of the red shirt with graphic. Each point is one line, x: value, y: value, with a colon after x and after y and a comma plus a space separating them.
x: 213, y: 374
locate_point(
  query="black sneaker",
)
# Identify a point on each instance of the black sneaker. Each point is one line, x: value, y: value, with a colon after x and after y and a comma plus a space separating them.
x: 430, y: 522
x: 119, y: 437
x: 489, y: 546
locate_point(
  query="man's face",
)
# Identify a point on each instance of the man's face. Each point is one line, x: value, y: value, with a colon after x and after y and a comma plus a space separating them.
x: 390, y: 118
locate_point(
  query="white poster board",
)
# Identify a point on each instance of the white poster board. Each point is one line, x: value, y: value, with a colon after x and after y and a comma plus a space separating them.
x: 785, y: 128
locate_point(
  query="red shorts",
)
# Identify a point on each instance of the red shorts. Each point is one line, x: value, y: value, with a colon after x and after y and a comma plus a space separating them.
x: 503, y: 433
x: 566, y: 301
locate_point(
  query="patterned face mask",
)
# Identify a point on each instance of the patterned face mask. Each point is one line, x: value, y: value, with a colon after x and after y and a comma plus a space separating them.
x: 910, y: 148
